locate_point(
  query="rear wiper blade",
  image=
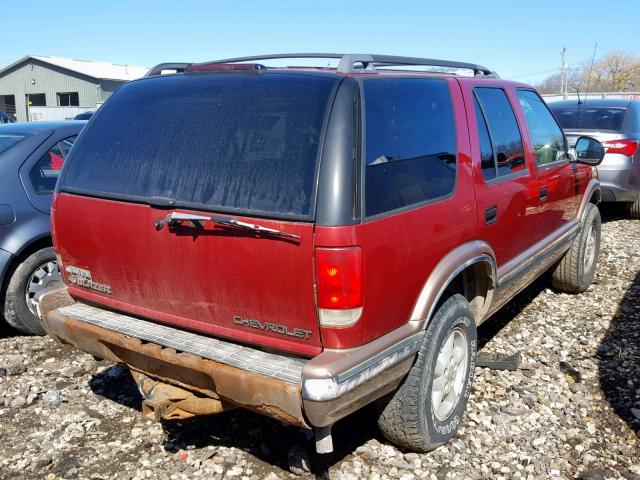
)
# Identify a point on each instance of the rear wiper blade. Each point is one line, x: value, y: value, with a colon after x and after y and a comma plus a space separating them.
x: 398, y: 158
x: 250, y: 226
x: 386, y: 159
x: 161, y: 202
x: 177, y: 217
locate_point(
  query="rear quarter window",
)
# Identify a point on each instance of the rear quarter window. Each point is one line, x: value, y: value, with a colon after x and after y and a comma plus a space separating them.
x: 44, y: 174
x: 410, y: 143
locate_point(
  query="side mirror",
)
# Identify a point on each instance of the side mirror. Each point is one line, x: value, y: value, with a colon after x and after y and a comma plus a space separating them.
x: 589, y: 151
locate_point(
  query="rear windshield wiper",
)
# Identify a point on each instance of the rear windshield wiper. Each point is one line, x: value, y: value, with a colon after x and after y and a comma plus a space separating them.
x: 444, y: 156
x: 177, y: 217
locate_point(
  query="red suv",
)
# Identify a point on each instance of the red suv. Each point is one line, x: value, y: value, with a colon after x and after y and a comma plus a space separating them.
x: 304, y: 241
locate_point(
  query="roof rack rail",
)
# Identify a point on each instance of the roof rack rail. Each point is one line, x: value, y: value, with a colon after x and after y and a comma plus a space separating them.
x: 359, y: 63
x: 158, y: 69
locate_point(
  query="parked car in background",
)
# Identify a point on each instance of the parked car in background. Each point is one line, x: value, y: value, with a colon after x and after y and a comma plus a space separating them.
x: 278, y: 263
x: 31, y: 156
x: 616, y: 123
x: 84, y: 116
x: 6, y: 118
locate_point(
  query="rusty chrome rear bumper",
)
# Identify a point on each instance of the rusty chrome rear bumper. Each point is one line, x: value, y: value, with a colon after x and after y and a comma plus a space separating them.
x: 304, y: 392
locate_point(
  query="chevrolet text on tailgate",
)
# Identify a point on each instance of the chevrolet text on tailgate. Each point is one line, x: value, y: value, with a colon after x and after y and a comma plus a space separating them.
x: 304, y: 241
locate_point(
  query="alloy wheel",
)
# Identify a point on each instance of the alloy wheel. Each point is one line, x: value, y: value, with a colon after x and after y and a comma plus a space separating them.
x: 450, y: 374
x: 46, y: 275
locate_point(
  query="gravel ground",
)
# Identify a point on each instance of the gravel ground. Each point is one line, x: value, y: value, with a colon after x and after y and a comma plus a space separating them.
x: 572, y: 410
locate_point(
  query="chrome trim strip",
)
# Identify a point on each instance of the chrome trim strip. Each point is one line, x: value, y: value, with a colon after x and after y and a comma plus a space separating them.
x: 410, y: 345
x: 515, y: 267
x: 559, y: 243
x: 516, y: 270
x: 326, y: 389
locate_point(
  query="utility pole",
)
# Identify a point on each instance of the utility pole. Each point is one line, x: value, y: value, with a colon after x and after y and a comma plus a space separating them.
x: 564, y: 76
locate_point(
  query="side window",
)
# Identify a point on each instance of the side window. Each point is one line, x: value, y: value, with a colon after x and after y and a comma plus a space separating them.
x: 487, y: 157
x: 503, y: 130
x: 70, y: 99
x: 546, y: 135
x: 66, y: 144
x: 410, y: 143
x: 45, y: 173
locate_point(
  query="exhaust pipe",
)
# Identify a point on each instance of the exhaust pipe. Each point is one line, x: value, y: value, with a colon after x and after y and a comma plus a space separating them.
x: 167, y: 402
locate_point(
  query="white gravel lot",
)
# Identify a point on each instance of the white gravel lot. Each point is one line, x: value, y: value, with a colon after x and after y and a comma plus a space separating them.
x: 571, y: 411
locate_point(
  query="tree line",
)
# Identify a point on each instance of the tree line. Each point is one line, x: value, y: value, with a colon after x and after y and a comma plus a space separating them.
x: 616, y: 71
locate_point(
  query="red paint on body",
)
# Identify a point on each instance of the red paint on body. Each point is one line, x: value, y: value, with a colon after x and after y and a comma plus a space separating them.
x: 200, y: 282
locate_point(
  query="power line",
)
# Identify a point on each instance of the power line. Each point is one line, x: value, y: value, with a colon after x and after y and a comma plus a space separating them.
x: 532, y: 74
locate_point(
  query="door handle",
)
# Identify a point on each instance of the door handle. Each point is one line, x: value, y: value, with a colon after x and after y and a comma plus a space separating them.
x: 543, y: 194
x: 491, y: 215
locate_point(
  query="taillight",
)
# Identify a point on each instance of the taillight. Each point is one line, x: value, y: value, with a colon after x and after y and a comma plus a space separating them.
x: 340, y: 285
x: 625, y: 147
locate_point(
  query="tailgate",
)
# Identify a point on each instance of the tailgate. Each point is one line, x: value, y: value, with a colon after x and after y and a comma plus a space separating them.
x: 215, y: 279
x: 241, y: 146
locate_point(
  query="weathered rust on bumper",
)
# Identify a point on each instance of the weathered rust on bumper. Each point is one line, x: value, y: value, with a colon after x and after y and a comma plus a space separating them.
x: 179, y: 384
x: 163, y: 401
x: 228, y: 385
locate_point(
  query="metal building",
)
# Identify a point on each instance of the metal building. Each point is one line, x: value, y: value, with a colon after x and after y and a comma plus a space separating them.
x: 55, y: 88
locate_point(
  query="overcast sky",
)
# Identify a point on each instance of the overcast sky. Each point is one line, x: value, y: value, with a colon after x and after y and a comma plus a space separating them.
x: 519, y: 39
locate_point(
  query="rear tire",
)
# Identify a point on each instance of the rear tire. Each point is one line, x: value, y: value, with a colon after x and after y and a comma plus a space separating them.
x: 575, y: 272
x: 36, y: 272
x: 426, y: 410
x: 633, y: 209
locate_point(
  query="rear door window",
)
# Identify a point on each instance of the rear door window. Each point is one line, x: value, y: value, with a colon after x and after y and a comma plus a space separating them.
x: 223, y: 142
x: 546, y: 135
x: 45, y: 173
x: 410, y: 143
x: 504, y: 132
x: 487, y: 156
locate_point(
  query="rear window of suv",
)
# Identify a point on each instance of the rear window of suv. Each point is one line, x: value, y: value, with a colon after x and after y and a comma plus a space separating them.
x: 231, y: 143
x: 410, y: 143
x: 589, y: 118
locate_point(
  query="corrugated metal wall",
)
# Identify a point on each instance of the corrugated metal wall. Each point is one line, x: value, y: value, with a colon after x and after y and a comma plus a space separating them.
x: 39, y: 77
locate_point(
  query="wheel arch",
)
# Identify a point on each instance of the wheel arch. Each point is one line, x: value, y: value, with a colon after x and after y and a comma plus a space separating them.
x: 470, y: 270
x: 35, y: 244
x: 592, y: 194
